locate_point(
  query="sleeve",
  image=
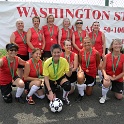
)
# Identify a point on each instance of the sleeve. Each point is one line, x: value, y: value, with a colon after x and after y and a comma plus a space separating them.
x: 45, y: 69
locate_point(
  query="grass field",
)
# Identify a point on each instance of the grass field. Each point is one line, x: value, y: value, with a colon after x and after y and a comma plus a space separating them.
x: 2, y: 52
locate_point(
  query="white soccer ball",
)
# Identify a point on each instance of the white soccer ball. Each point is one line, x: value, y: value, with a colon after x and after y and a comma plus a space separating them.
x: 56, y: 105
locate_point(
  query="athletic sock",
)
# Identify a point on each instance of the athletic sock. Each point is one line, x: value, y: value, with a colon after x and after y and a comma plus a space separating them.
x: 81, y: 88
x: 19, y: 92
x: 33, y: 90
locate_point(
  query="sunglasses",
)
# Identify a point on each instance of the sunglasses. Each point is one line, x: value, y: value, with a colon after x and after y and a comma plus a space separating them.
x: 13, y: 50
x: 79, y: 22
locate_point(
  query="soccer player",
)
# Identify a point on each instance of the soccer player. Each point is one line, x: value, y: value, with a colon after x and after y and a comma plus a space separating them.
x: 8, y: 75
x: 89, y: 60
x: 113, y: 71
x: 54, y: 71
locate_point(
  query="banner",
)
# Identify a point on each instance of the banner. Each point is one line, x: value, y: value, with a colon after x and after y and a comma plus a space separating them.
x: 111, y: 19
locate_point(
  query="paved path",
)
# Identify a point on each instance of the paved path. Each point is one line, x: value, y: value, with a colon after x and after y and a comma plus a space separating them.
x: 89, y: 111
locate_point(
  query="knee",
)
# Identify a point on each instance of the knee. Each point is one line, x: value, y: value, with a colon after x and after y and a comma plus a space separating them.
x: 21, y: 84
x: 119, y: 97
x: 38, y: 83
x: 80, y: 78
x: 66, y: 86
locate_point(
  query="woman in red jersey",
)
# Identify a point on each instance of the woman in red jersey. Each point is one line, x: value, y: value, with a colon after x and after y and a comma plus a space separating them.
x: 113, y: 71
x: 32, y: 76
x: 78, y: 36
x: 19, y: 37
x: 51, y: 35
x: 89, y: 60
x: 72, y: 59
x: 99, y: 42
x: 65, y: 33
x: 35, y: 36
x: 8, y: 75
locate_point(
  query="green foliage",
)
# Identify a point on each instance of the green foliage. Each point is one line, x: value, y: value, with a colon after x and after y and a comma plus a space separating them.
x: 2, y: 52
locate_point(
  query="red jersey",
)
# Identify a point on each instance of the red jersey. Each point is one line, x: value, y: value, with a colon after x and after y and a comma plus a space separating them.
x: 98, y: 41
x: 35, y: 71
x: 66, y: 34
x: 50, y: 40
x: 36, y: 39
x: 20, y: 40
x: 77, y: 40
x: 92, y: 64
x: 119, y: 69
x: 70, y: 59
x: 5, y: 74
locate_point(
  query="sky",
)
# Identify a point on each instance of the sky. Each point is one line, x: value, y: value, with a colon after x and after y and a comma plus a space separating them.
x: 112, y: 3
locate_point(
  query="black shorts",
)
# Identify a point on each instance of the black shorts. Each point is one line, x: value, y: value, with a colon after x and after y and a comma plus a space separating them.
x: 73, y: 77
x: 6, y: 89
x: 23, y: 57
x: 117, y: 87
x: 53, y: 85
x: 46, y: 54
x: 89, y: 79
x: 27, y: 85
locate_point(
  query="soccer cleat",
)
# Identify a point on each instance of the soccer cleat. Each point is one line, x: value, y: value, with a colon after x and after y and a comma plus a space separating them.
x: 66, y: 101
x: 79, y: 98
x: 102, y: 100
x: 30, y: 100
x: 19, y: 99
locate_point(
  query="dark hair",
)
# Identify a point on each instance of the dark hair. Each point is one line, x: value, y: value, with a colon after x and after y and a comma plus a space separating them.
x: 11, y: 45
x: 49, y: 16
x: 35, y: 50
x: 36, y: 17
x: 55, y: 46
x: 95, y: 22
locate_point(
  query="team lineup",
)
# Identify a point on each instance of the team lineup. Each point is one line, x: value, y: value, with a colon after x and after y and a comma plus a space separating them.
x: 42, y: 60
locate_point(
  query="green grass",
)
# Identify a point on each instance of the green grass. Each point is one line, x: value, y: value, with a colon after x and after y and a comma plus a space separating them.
x: 2, y: 52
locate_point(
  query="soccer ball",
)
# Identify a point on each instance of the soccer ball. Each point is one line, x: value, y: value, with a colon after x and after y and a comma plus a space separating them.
x: 56, y: 105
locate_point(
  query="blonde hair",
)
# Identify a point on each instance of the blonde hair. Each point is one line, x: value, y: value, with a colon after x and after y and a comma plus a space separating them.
x: 66, y: 41
x: 68, y: 20
x: 115, y: 40
x: 87, y: 38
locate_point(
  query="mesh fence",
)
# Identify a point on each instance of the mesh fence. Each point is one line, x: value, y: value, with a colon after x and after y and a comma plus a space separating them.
x: 111, y: 3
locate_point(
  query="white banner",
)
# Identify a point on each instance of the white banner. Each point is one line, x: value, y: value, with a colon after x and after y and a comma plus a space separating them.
x: 111, y: 19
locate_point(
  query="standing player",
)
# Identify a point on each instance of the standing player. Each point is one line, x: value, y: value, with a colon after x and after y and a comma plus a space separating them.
x: 89, y: 60
x: 113, y: 71
x: 65, y: 33
x: 78, y: 36
x: 72, y: 59
x: 35, y: 36
x: 51, y: 35
x: 99, y: 42
x: 19, y: 37
x: 54, y: 71
x: 8, y: 76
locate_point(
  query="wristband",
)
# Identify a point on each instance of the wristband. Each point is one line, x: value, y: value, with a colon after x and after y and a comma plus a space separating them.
x: 49, y: 90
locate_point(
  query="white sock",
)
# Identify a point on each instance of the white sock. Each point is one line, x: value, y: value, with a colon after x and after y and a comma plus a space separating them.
x: 65, y: 94
x: 33, y: 90
x: 104, y: 91
x: 19, y: 92
x: 40, y: 97
x: 100, y: 75
x: 81, y: 88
